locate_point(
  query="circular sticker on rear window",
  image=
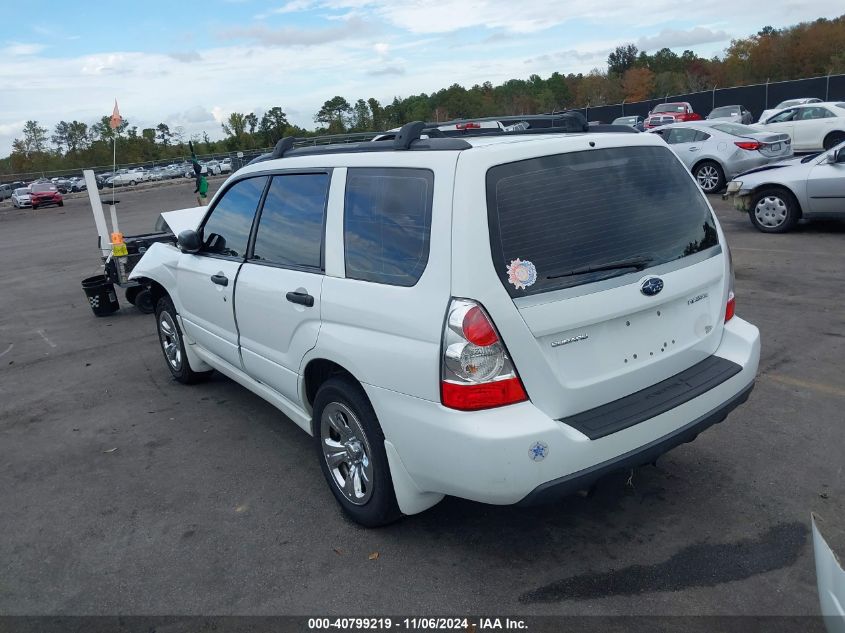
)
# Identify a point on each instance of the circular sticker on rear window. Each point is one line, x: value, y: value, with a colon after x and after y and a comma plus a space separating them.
x: 521, y: 273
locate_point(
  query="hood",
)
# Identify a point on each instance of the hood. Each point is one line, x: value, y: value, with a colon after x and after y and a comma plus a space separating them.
x: 789, y: 162
x: 181, y: 220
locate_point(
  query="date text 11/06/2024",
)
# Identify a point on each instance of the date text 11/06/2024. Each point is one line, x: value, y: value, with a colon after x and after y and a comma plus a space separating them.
x: 473, y: 625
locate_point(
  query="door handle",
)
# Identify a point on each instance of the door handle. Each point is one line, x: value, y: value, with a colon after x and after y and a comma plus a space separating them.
x: 220, y: 279
x: 693, y: 149
x: 302, y: 298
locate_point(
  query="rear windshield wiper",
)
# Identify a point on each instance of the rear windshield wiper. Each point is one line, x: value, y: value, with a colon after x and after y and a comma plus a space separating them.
x: 637, y: 263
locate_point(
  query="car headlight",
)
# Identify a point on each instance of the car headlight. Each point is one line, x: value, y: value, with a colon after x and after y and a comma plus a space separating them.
x: 734, y: 186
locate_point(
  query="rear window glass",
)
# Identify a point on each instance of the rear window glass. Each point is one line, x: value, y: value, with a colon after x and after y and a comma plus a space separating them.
x: 735, y: 129
x: 671, y: 107
x: 387, y: 224
x: 552, y: 218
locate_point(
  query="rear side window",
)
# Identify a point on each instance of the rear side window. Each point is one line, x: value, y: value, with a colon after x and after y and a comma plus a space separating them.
x: 555, y: 219
x: 290, y: 229
x: 226, y: 230
x: 387, y: 224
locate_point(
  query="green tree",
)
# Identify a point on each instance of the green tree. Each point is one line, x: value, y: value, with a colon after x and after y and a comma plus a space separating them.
x: 334, y: 114
x: 362, y: 119
x: 621, y: 59
x: 251, y: 122
x: 163, y: 134
x: 34, y: 139
x: 235, y: 125
x: 273, y: 126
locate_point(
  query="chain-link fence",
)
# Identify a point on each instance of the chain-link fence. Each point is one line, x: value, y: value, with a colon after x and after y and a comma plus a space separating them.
x: 756, y: 98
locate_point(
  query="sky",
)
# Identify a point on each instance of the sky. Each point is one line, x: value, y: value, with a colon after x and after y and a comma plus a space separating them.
x: 190, y: 64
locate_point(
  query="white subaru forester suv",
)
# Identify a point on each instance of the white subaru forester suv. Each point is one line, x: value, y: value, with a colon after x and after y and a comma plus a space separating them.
x: 503, y: 317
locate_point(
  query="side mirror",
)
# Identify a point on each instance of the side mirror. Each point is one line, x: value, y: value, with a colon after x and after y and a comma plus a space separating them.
x: 838, y: 156
x: 189, y: 241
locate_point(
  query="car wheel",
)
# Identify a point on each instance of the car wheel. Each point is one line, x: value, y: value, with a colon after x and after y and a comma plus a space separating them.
x: 62, y: 203
x: 350, y: 446
x: 833, y: 139
x: 132, y: 183
x: 173, y: 344
x: 709, y: 176
x: 34, y: 206
x: 774, y: 211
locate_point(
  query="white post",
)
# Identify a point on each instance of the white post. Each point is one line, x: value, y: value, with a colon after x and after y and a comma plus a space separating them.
x: 97, y: 210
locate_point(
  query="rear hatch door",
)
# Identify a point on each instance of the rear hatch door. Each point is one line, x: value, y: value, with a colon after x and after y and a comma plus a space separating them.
x: 610, y: 273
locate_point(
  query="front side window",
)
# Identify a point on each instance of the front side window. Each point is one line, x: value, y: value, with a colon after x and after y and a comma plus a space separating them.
x: 226, y: 230
x: 387, y: 224
x: 571, y: 219
x: 786, y: 115
x: 290, y: 228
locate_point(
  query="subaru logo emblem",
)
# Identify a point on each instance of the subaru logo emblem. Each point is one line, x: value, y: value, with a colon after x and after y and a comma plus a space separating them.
x: 651, y: 286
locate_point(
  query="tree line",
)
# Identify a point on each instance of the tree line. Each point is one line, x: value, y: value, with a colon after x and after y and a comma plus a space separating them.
x: 804, y: 50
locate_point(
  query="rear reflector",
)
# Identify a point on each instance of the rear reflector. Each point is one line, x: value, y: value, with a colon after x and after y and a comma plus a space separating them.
x: 749, y: 145
x: 472, y: 397
x: 730, y: 308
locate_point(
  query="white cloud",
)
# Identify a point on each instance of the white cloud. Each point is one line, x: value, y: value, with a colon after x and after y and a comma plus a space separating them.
x: 353, y: 28
x: 674, y: 38
x: 19, y: 49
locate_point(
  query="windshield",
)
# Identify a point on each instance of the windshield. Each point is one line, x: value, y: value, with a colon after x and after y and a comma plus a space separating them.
x: 42, y: 188
x: 585, y: 216
x: 21, y: 192
x: 670, y: 107
x: 625, y: 120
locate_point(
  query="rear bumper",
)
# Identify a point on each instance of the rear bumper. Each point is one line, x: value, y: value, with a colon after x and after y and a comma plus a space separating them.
x: 569, y: 484
x: 487, y: 455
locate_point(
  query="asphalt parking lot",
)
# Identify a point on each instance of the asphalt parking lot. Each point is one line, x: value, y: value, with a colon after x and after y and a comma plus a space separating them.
x: 123, y: 491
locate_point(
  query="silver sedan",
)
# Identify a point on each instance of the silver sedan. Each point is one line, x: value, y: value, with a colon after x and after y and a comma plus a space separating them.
x: 777, y: 196
x: 716, y: 151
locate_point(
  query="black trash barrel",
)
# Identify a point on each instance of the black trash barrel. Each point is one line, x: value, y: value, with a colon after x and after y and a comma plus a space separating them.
x: 101, y: 295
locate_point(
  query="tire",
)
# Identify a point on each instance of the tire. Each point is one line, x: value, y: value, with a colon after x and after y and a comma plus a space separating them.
x: 833, y: 139
x: 346, y: 427
x: 34, y: 207
x: 173, y: 345
x: 774, y: 210
x: 709, y: 176
x: 132, y: 183
x: 144, y: 302
x: 62, y: 203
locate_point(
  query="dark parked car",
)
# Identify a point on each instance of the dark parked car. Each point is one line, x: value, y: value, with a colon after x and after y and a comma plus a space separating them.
x: 635, y: 122
x: 45, y: 194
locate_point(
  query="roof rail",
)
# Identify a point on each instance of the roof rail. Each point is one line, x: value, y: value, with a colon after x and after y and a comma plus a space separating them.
x: 410, y: 136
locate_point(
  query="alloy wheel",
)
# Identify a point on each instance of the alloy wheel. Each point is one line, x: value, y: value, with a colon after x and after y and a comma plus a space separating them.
x: 708, y: 177
x: 347, y: 452
x: 170, y: 341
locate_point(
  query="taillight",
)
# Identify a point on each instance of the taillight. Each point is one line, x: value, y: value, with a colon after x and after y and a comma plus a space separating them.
x: 476, y: 371
x: 730, y: 306
x: 749, y: 145
x: 472, y: 125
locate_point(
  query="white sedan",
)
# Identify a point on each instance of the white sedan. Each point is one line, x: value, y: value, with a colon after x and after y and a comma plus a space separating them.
x: 813, y: 127
x: 20, y: 198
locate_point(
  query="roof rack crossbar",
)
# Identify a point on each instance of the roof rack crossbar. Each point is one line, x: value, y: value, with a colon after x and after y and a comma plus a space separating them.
x: 283, y: 146
x: 407, y: 134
